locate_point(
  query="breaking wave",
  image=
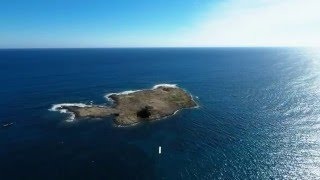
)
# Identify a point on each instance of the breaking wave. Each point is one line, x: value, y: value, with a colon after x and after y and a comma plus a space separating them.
x: 164, y: 85
x: 107, y: 96
x: 57, y: 108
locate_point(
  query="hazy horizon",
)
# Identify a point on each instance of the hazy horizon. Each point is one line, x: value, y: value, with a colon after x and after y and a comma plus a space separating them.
x: 145, y: 24
x: 161, y: 47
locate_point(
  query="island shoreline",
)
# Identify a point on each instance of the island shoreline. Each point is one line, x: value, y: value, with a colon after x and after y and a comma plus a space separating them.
x: 159, y: 102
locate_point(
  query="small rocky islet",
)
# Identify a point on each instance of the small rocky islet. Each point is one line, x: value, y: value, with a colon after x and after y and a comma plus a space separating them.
x: 134, y: 107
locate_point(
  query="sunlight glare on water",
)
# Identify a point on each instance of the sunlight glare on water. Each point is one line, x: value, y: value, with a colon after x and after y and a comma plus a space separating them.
x: 299, y: 155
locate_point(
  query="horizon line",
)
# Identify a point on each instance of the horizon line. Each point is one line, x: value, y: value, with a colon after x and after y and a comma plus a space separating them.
x: 156, y: 47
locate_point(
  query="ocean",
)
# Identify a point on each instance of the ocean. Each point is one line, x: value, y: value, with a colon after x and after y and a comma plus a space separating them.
x: 258, y: 115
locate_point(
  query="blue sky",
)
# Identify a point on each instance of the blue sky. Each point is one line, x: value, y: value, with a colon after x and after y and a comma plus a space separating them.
x: 165, y: 23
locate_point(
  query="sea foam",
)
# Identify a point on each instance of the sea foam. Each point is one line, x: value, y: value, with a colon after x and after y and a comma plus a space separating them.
x: 164, y: 85
x: 57, y: 107
x: 107, y: 96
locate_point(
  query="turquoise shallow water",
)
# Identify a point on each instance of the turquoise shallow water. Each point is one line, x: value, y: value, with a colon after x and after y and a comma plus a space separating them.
x: 259, y: 114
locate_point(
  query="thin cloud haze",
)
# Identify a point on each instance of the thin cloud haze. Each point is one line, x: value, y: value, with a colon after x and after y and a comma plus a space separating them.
x: 167, y: 24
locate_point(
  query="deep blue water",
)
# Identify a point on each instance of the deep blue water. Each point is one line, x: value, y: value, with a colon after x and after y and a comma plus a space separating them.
x: 259, y: 115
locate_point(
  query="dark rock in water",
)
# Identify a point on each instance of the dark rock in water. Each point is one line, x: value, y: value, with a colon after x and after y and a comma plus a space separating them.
x: 144, y: 105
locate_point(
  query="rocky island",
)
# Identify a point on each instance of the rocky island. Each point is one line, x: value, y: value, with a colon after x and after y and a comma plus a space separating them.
x: 135, y: 106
